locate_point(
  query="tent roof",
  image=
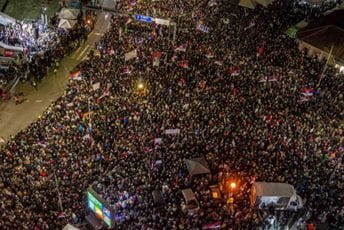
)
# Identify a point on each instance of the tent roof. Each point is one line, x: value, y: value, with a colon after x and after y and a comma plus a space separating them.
x: 5, y: 19
x: 68, y: 13
x: 335, y: 18
x: 67, y: 24
x: 274, y: 189
x: 325, y: 39
x: 325, y: 32
x: 264, y: 2
x: 248, y: 3
x: 197, y: 166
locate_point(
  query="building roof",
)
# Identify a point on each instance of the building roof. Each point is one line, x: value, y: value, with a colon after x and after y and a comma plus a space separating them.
x: 325, y: 32
x: 274, y: 189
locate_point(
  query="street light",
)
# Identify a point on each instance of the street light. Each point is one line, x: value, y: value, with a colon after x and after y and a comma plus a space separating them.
x: 233, y: 185
x: 140, y: 86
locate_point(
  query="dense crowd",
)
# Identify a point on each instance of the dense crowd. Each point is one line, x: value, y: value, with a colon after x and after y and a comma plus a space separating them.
x: 237, y: 94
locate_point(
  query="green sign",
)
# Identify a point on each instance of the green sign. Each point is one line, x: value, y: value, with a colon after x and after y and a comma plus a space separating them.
x: 99, y: 209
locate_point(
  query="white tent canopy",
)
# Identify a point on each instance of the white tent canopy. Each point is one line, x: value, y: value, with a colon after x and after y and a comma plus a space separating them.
x: 264, y: 2
x: 273, y: 189
x: 5, y: 19
x: 68, y: 13
x: 248, y: 3
x: 70, y: 227
x: 67, y: 24
x: 197, y: 166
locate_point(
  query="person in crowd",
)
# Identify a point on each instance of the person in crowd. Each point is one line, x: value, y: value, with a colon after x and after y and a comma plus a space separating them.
x: 238, y: 89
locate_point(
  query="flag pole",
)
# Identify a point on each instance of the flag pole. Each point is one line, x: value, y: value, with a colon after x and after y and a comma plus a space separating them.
x: 325, y: 67
x: 58, y: 193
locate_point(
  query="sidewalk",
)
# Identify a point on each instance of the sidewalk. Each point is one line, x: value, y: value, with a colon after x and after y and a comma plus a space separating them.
x: 14, y: 118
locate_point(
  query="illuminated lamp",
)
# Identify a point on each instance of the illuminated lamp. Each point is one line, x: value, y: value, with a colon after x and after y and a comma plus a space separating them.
x: 232, y: 185
x: 140, y: 86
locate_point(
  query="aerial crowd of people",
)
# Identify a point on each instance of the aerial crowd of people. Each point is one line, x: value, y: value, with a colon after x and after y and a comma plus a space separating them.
x: 233, y: 84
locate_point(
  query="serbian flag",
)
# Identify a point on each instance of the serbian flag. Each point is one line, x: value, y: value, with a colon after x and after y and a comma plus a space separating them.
x: 75, y: 75
x: 156, y: 58
x: 62, y: 215
x: 126, y: 70
x: 182, y: 48
x: 215, y: 225
x: 184, y: 64
x: 308, y: 91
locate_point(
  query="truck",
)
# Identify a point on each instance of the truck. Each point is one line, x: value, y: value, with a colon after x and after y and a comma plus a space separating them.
x: 279, y: 196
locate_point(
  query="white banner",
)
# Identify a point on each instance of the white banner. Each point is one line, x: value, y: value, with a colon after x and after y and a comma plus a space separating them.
x: 157, y: 140
x: 172, y: 131
x: 130, y: 55
x: 162, y: 21
x: 96, y: 86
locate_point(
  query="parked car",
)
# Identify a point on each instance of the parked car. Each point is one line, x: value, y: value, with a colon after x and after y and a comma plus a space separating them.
x: 191, y: 202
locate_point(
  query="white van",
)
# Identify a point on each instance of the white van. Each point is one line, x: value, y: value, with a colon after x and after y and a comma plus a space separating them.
x: 191, y: 202
x: 280, y: 196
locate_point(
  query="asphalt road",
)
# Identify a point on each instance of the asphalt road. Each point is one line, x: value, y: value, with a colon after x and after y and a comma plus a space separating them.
x: 14, y: 118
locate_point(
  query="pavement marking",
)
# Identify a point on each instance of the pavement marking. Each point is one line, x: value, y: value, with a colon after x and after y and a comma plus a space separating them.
x: 76, y: 52
x: 98, y: 34
x: 82, y: 53
x: 84, y: 58
x: 39, y: 101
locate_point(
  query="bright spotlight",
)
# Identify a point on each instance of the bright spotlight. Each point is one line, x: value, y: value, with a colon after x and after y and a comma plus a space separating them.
x: 233, y: 185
